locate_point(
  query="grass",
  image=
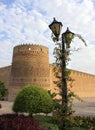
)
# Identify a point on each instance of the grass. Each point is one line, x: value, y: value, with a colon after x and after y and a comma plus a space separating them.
x: 48, y: 123
x: 77, y: 128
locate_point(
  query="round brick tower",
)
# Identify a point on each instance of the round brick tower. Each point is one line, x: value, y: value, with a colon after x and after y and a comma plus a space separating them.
x: 30, y: 65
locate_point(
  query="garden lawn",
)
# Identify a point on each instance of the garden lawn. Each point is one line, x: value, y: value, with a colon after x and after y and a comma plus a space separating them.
x: 77, y: 128
x: 48, y: 123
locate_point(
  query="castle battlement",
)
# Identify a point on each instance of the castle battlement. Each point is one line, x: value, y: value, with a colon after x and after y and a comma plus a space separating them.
x: 30, y: 48
x: 30, y: 65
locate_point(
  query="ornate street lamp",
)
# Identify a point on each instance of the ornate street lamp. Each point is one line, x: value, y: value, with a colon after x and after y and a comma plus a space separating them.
x: 67, y: 37
x: 56, y: 27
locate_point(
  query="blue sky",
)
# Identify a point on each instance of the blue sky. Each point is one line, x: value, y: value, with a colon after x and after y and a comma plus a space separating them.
x: 26, y: 21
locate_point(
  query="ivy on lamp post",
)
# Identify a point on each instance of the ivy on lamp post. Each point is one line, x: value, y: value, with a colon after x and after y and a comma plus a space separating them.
x: 61, y: 58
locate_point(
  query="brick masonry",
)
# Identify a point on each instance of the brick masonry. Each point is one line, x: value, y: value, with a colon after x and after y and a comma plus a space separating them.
x: 30, y: 65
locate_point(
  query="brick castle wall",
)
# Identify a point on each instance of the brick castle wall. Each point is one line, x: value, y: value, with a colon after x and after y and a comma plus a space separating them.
x: 30, y: 65
x: 83, y: 83
x: 5, y: 75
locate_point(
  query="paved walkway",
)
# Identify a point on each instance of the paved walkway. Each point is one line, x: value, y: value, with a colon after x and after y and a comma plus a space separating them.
x: 6, y: 107
x: 85, y: 108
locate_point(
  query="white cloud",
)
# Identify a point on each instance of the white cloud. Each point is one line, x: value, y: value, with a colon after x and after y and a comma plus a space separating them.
x: 27, y: 21
x: 84, y: 59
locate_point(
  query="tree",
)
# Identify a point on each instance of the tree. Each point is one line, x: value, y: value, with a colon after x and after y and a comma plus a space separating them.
x: 3, y: 90
x: 33, y: 99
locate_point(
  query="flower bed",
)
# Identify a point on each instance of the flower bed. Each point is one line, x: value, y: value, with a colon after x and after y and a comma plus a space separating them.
x: 18, y: 122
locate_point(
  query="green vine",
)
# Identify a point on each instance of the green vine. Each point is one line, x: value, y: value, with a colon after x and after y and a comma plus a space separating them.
x: 81, y: 38
x: 64, y: 111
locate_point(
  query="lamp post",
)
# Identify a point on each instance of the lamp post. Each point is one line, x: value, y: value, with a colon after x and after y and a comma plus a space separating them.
x: 67, y: 37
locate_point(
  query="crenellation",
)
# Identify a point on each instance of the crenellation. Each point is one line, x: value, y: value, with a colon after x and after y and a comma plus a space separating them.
x: 24, y: 49
x: 30, y: 65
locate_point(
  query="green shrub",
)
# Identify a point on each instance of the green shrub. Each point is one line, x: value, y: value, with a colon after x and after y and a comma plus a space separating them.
x: 33, y: 99
x: 3, y: 90
x: 76, y: 128
x: 47, y: 122
x: 49, y: 126
x: 43, y: 118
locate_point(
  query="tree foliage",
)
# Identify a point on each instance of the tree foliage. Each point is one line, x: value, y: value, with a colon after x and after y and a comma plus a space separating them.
x: 3, y: 90
x: 33, y: 99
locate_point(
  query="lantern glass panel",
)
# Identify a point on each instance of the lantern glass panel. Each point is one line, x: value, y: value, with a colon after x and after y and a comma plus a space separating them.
x: 56, y: 27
